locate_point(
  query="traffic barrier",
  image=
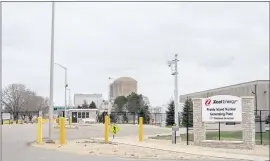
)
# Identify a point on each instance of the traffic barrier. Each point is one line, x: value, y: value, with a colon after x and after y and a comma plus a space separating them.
x: 45, y: 121
x: 141, y: 129
x: 106, y: 126
x: 62, y: 139
x: 39, y: 131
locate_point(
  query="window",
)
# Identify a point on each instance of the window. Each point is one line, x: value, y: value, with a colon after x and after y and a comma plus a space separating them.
x: 87, y: 114
x: 83, y: 115
x: 79, y: 115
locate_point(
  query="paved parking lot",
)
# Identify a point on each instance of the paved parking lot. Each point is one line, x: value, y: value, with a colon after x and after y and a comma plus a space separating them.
x: 15, y: 139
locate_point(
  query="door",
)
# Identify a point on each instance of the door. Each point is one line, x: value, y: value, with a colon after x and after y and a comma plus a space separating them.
x: 74, y: 117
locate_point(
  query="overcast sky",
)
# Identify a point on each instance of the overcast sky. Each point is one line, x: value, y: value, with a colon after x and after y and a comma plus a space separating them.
x: 218, y: 44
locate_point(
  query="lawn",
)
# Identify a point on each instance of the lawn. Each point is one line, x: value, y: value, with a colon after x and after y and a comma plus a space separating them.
x: 6, y: 122
x: 224, y: 135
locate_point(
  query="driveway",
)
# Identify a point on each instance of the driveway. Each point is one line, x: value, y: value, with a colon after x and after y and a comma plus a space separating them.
x: 15, y: 139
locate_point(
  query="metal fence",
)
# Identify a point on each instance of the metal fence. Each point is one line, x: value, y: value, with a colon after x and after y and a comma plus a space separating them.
x: 22, y: 115
x: 229, y: 130
x: 133, y: 118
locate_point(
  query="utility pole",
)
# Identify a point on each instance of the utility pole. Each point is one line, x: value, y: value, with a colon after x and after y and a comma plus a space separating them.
x: 109, y: 97
x: 51, y: 77
x: 255, y: 95
x: 69, y: 98
x: 1, y: 63
x: 66, y: 85
x: 1, y: 66
x: 173, y: 64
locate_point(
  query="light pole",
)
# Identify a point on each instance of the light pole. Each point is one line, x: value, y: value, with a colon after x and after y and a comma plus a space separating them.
x: 66, y: 85
x: 1, y: 66
x: 69, y: 98
x: 174, y: 68
x: 1, y: 57
x: 109, y: 97
x: 51, y: 77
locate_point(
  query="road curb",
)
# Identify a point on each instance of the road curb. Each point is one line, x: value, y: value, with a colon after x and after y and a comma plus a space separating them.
x: 247, y: 157
x: 32, y: 142
x: 175, y: 151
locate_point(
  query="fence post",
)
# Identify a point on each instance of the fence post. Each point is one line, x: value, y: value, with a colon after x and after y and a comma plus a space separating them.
x: 261, y: 126
x: 218, y: 130
x: 141, y: 129
x: 62, y: 139
x: 187, y: 125
x: 39, y: 132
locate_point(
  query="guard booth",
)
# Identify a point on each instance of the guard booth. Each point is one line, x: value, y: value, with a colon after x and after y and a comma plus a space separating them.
x: 83, y: 115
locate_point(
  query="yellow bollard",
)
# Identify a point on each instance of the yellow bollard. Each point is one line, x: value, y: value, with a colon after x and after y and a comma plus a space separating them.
x: 39, y: 132
x: 106, y: 133
x: 141, y: 129
x: 62, y: 139
x: 109, y: 121
x: 70, y: 121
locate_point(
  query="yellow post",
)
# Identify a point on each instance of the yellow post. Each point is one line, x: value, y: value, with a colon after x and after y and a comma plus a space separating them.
x: 39, y: 132
x: 62, y: 139
x: 70, y: 121
x: 106, y: 133
x: 141, y: 129
x: 109, y: 120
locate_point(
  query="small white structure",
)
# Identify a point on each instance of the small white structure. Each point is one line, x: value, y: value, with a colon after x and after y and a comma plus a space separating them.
x: 85, y: 116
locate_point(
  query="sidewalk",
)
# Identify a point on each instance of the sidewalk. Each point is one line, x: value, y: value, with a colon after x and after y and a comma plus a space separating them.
x: 196, y: 150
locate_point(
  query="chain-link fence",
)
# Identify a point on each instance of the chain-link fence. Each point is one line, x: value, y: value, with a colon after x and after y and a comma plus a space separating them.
x: 158, y: 119
x: 19, y: 117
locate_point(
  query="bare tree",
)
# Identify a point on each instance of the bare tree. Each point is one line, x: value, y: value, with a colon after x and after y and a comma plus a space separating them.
x: 14, y: 97
x: 18, y: 99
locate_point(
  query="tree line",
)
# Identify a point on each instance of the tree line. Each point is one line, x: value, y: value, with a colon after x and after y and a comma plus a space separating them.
x: 133, y: 104
x: 86, y: 106
x: 19, y: 100
x: 186, y: 115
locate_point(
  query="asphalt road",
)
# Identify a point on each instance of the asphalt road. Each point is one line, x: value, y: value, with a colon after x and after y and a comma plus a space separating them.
x: 16, y: 138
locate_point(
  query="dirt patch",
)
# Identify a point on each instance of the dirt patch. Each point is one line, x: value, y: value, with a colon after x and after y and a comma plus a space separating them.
x: 98, y: 147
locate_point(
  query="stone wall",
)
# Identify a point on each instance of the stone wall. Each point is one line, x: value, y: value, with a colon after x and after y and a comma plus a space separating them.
x: 248, y: 127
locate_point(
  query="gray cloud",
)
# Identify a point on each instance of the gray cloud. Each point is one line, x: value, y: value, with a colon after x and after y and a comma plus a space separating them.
x: 218, y: 44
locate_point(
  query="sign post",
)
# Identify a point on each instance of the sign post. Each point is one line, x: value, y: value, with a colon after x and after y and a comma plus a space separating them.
x: 174, y: 131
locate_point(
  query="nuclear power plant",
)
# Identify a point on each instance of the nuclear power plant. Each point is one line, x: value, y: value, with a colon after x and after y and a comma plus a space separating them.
x: 122, y: 86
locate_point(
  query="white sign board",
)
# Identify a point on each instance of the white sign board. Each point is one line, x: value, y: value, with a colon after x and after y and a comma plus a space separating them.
x: 6, y: 116
x: 222, y: 108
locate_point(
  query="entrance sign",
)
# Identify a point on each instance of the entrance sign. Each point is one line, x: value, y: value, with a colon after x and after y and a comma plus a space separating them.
x: 222, y: 108
x: 6, y: 116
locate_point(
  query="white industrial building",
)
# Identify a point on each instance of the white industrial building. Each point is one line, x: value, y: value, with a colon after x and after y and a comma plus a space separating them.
x: 106, y: 106
x: 80, y: 98
x: 259, y: 89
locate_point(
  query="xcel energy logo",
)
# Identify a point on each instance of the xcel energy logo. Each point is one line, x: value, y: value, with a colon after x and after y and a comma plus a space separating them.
x: 209, y: 101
